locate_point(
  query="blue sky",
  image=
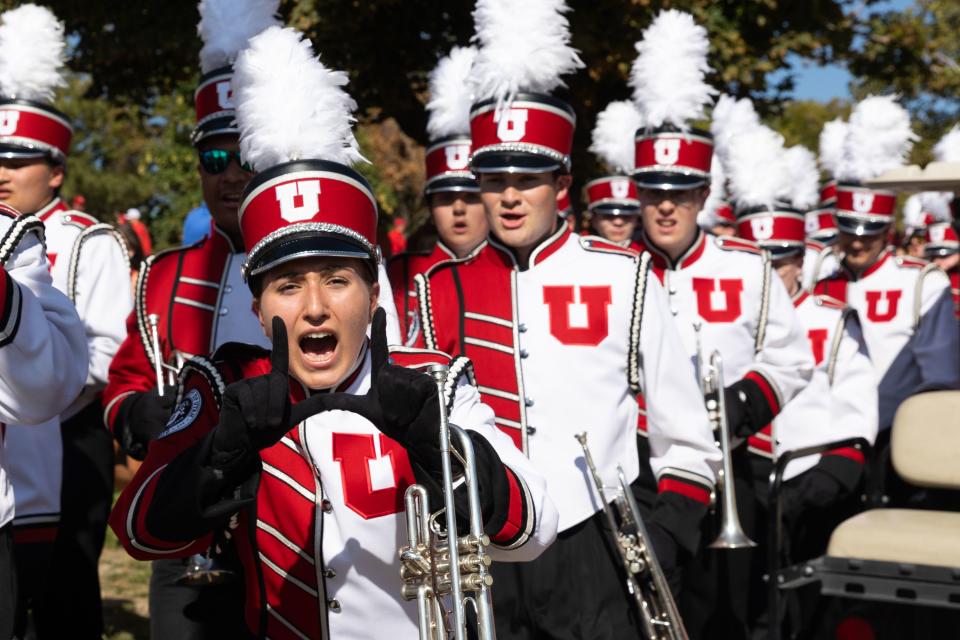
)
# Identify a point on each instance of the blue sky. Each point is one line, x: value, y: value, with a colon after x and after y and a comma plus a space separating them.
x: 823, y: 83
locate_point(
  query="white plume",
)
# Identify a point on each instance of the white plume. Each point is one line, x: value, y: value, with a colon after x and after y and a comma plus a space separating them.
x: 667, y: 76
x: 718, y: 190
x: 450, y: 95
x: 289, y: 106
x: 948, y: 148
x: 936, y: 203
x: 613, y: 135
x: 803, y: 177
x: 31, y: 53
x: 227, y: 25
x: 524, y: 46
x: 756, y: 168
x: 730, y: 118
x: 879, y: 139
x: 832, y: 139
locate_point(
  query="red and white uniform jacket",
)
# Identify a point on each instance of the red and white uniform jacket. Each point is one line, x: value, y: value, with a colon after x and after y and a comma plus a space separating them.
x: 727, y: 287
x: 318, y: 529
x: 89, y: 264
x: 954, y: 275
x: 43, y: 349
x: 565, y: 346
x: 909, y: 324
x: 840, y: 401
x: 202, y: 302
x: 401, y: 270
x: 819, y: 261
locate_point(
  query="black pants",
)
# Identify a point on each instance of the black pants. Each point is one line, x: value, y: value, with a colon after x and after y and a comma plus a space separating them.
x: 8, y: 582
x: 70, y: 605
x: 210, y: 612
x: 575, y: 590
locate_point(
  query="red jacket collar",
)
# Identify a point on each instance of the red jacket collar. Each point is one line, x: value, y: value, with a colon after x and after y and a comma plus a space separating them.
x: 56, y: 205
x: 220, y: 240
x: 662, y: 261
x: 879, y: 262
x: 544, y: 250
x: 798, y: 298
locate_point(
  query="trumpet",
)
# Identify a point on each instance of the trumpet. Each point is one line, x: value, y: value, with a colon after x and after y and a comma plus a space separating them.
x: 443, y: 571
x: 646, y: 581
x: 159, y: 366
x: 732, y: 535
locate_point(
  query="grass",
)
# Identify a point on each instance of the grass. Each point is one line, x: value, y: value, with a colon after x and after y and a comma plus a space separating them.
x: 124, y: 583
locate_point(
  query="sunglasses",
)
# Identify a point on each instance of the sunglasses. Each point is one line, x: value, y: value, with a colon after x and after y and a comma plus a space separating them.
x: 216, y: 161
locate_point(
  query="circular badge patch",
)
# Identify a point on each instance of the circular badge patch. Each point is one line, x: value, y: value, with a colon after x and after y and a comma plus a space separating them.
x: 184, y: 415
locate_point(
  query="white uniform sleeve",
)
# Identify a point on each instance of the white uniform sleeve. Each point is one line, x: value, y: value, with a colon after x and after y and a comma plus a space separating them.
x: 470, y: 413
x: 785, y: 361
x: 853, y: 395
x: 681, y: 440
x: 387, y: 304
x: 43, y: 361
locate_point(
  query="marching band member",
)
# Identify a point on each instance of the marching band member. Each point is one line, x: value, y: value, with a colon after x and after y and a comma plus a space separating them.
x: 612, y: 199
x: 302, y: 454
x: 919, y: 212
x: 539, y: 299
x: 942, y: 248
x: 904, y: 304
x: 452, y: 192
x: 722, y: 292
x: 62, y: 471
x: 819, y: 258
x: 43, y: 363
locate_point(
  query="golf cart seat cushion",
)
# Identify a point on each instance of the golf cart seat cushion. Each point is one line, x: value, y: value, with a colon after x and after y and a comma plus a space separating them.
x: 909, y: 536
x: 926, y: 438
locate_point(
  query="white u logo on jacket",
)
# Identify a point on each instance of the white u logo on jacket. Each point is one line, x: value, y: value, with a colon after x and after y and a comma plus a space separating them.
x: 620, y: 188
x: 309, y: 205
x: 458, y: 155
x: 8, y: 122
x: 862, y: 201
x: 762, y: 227
x: 513, y: 125
x: 666, y: 151
x: 224, y: 95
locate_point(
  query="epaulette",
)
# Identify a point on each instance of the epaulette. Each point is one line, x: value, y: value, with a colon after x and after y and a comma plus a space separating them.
x: 738, y: 244
x: 910, y: 262
x: 79, y: 219
x: 422, y: 359
x: 829, y: 301
x: 602, y: 245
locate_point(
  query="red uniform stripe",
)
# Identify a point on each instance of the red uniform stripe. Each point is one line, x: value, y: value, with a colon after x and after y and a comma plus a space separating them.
x: 514, y: 524
x: 696, y: 492
x: 28, y: 535
x: 848, y: 452
x: 766, y: 388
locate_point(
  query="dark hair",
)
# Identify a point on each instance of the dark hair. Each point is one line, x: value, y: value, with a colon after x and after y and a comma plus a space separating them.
x: 133, y: 245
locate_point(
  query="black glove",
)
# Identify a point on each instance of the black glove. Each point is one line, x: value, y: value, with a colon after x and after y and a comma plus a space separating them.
x: 257, y: 412
x: 142, y: 417
x: 747, y: 408
x: 833, y: 479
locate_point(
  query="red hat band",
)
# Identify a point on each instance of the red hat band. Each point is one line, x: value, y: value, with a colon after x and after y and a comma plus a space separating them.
x: 866, y: 203
x: 613, y: 192
x: 819, y: 223
x: 313, y: 197
x: 724, y: 213
x: 828, y: 194
x: 33, y: 125
x: 534, y: 132
x: 772, y: 229
x: 213, y: 101
x: 942, y: 238
x: 448, y: 166
x: 673, y: 156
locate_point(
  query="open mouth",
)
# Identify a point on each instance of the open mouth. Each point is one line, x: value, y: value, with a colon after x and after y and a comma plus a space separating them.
x: 318, y: 348
x: 511, y: 220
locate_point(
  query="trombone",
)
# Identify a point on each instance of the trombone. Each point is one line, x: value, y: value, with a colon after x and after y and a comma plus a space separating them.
x: 659, y: 615
x: 732, y: 535
x: 440, y: 569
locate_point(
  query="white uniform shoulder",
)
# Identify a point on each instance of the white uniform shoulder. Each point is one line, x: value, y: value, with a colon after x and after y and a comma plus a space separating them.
x: 596, y: 244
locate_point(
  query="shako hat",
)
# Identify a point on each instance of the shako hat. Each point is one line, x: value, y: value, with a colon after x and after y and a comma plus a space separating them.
x: 31, y: 68
x: 613, y: 143
x: 225, y: 28
x: 448, y: 124
x: 305, y: 199
x: 669, y: 90
x: 878, y: 139
x: 923, y: 209
x: 941, y: 240
x: 515, y: 124
x: 821, y: 225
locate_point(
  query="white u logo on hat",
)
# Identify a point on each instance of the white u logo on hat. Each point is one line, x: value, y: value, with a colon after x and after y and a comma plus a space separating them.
x: 458, y: 155
x: 937, y: 234
x: 811, y: 222
x: 620, y: 188
x: 862, y: 201
x: 8, y: 122
x: 666, y: 151
x: 762, y: 228
x: 513, y: 125
x: 309, y: 192
x: 224, y: 95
